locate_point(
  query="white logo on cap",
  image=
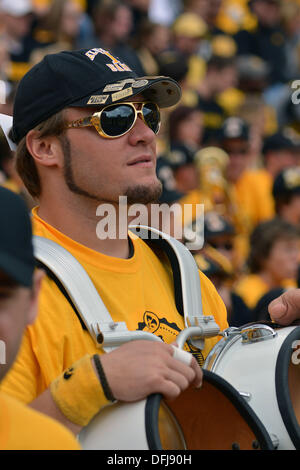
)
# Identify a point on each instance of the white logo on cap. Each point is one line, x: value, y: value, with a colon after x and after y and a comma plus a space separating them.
x: 116, y: 66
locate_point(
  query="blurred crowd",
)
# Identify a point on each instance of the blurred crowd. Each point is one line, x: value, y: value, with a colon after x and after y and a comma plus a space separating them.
x: 233, y: 141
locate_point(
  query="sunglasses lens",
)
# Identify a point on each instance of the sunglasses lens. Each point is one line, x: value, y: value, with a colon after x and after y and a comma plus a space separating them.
x: 152, y: 116
x: 117, y: 119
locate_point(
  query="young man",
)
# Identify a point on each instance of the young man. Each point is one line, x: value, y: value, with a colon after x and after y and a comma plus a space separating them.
x: 19, y: 289
x: 72, y: 167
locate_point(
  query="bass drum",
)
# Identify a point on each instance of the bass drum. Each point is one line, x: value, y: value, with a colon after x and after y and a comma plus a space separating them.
x: 213, y: 417
x: 262, y: 362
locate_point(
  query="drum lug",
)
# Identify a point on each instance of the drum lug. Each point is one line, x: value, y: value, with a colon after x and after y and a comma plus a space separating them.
x: 231, y: 331
x: 275, y: 440
x: 255, y: 333
x: 245, y: 395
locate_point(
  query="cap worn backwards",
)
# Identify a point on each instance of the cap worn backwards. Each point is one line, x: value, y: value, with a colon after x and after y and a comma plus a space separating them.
x: 16, y: 249
x: 84, y: 78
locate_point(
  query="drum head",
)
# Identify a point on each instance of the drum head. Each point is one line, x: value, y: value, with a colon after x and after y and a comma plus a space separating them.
x: 214, y: 417
x: 287, y: 378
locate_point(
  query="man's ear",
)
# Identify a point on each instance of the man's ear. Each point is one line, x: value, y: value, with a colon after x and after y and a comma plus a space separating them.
x: 46, y: 151
x: 38, y: 276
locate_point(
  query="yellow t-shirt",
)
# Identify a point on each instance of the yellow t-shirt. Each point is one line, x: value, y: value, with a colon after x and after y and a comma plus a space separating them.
x: 138, y: 291
x: 254, y: 195
x: 253, y: 200
x: 22, y: 428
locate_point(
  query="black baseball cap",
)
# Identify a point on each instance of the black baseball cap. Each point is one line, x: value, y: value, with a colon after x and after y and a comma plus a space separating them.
x: 83, y: 78
x: 180, y: 155
x: 278, y: 141
x: 287, y: 182
x: 215, y: 225
x: 16, y: 249
x: 165, y: 174
x: 234, y: 128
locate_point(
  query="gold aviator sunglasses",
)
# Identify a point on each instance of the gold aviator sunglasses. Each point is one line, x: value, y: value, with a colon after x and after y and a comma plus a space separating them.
x: 115, y: 120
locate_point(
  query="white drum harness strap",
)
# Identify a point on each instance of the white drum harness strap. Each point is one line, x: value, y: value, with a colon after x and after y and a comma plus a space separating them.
x: 79, y: 290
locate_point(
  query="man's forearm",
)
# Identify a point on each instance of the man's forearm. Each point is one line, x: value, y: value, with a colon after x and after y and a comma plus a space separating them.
x: 45, y: 404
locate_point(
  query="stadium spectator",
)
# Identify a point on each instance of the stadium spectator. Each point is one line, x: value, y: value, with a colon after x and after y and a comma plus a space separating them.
x: 286, y: 193
x: 273, y: 260
x: 113, y: 22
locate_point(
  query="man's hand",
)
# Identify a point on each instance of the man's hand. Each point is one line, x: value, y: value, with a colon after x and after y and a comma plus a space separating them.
x: 139, y: 368
x: 286, y: 308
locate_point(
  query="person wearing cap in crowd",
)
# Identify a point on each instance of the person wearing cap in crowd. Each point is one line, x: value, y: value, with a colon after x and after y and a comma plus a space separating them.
x: 182, y: 161
x: 19, y: 291
x: 286, y: 193
x: 280, y: 151
x: 272, y: 262
x: 248, y: 195
x: 165, y: 174
x: 220, y: 76
x: 81, y: 143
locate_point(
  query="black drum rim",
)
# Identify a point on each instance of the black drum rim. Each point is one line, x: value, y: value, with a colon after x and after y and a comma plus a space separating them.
x: 151, y: 421
x: 282, y: 389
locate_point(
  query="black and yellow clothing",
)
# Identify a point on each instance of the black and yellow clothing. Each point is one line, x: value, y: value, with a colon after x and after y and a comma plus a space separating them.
x: 22, y: 428
x: 252, y: 287
x: 19, y: 63
x: 137, y: 291
x: 268, y: 43
x: 214, y: 113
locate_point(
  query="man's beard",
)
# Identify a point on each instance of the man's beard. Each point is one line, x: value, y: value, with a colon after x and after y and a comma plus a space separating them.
x: 144, y: 194
x: 139, y: 194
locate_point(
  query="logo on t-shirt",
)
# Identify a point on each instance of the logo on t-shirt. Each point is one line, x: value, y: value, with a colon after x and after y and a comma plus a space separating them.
x: 167, y: 332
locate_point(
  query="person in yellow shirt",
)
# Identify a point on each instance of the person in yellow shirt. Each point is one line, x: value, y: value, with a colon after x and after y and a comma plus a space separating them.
x: 19, y: 290
x: 74, y: 164
x: 252, y: 199
x: 273, y: 260
x: 280, y: 151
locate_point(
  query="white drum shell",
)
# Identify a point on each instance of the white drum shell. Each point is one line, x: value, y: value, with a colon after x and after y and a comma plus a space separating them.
x: 117, y: 427
x: 250, y: 368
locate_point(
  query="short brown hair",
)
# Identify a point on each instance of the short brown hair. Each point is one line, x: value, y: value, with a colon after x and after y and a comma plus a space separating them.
x: 263, y: 238
x: 7, y: 285
x: 24, y: 161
